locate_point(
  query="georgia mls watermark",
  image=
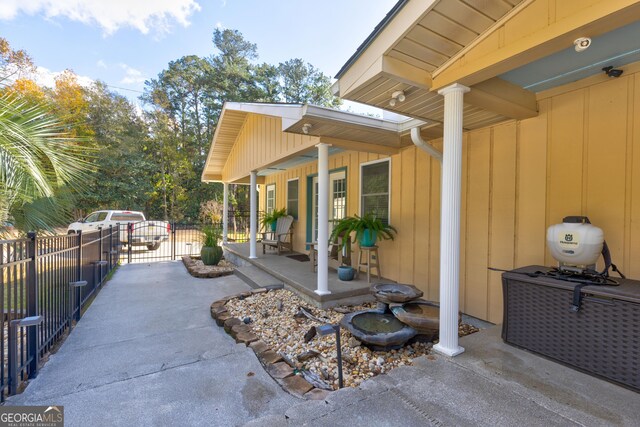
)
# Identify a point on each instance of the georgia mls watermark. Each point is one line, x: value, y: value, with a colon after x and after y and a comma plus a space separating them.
x: 31, y: 416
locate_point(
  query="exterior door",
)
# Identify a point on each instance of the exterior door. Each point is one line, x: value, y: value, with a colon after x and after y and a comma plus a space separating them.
x: 337, y: 200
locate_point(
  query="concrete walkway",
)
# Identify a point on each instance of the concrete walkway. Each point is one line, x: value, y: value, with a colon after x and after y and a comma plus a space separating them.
x: 491, y: 384
x: 148, y: 353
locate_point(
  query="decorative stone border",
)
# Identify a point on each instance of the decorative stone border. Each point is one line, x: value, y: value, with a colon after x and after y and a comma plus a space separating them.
x: 197, y: 269
x: 273, y: 363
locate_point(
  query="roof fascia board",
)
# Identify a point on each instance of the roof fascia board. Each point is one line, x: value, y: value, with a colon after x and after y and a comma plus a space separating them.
x: 213, y: 141
x: 341, y: 117
x: 360, y: 146
x: 396, y: 27
x: 371, y: 37
x: 284, y: 111
x: 349, y: 118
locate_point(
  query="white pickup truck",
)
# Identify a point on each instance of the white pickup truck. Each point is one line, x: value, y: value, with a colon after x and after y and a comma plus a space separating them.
x: 132, y: 223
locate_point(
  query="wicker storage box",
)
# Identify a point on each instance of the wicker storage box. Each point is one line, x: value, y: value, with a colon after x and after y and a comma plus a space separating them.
x: 602, y: 339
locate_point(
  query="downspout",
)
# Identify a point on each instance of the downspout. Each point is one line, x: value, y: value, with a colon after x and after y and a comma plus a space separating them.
x: 424, y: 145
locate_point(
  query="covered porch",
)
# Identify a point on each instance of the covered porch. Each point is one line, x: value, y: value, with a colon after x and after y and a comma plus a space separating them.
x: 299, y: 276
x: 267, y: 146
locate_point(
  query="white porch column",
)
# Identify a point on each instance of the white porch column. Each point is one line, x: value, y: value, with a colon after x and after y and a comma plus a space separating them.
x: 450, y: 220
x: 253, y: 208
x: 225, y: 213
x: 323, y: 220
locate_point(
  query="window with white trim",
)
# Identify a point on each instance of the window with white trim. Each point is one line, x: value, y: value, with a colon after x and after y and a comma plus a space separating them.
x: 374, y: 189
x: 270, y: 204
x: 292, y: 198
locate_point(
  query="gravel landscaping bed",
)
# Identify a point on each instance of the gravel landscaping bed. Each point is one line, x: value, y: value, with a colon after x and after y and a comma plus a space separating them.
x: 282, y: 324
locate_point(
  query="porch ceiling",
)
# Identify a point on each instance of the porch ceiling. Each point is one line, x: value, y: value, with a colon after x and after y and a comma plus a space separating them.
x: 229, y: 126
x: 425, y: 45
x: 302, y: 158
x: 431, y: 33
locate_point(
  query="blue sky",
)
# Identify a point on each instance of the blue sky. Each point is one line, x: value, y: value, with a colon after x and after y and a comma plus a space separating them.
x: 124, y: 42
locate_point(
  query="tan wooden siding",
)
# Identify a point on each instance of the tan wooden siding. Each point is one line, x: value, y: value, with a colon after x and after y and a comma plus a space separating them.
x: 580, y: 156
x: 260, y: 143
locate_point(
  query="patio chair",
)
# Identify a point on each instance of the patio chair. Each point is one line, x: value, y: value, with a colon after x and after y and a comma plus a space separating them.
x: 280, y: 239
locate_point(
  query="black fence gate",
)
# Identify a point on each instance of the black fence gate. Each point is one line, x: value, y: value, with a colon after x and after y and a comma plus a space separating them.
x: 142, y: 242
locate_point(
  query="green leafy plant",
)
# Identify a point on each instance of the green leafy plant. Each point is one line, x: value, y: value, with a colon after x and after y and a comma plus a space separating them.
x: 360, y: 225
x: 211, y: 252
x: 211, y: 236
x: 270, y: 218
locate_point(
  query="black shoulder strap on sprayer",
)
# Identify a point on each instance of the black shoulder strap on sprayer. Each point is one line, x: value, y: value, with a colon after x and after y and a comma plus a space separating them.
x: 606, y: 254
x: 607, y: 262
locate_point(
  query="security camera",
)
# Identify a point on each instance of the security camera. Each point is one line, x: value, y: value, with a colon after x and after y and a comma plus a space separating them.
x: 582, y: 44
x: 612, y: 72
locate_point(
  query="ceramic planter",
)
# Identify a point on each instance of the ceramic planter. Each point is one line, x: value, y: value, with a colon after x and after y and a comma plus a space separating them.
x: 368, y: 238
x: 346, y: 273
x: 211, y: 255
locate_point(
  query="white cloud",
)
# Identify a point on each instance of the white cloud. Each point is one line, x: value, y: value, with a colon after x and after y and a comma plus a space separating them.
x: 45, y: 77
x: 131, y: 75
x: 219, y: 25
x: 111, y: 15
x: 101, y: 64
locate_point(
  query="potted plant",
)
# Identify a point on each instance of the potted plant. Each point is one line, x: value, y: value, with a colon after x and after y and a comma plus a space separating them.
x: 211, y: 252
x: 368, y: 229
x: 271, y: 219
x: 346, y: 273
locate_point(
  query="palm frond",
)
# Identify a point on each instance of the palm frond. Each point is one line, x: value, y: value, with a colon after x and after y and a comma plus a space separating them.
x: 37, y: 159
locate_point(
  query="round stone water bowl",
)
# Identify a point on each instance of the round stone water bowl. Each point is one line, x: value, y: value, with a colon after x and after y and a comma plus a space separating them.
x: 378, y: 330
x: 395, y: 292
x: 421, y: 315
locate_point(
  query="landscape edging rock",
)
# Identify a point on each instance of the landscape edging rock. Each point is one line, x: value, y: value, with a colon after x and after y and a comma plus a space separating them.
x: 205, y: 271
x: 271, y: 360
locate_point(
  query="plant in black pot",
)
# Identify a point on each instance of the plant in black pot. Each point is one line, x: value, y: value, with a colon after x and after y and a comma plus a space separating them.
x: 368, y: 228
x: 211, y: 252
x: 269, y: 220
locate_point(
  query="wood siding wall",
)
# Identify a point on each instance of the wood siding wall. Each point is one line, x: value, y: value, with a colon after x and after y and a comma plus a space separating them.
x: 260, y: 143
x: 580, y: 156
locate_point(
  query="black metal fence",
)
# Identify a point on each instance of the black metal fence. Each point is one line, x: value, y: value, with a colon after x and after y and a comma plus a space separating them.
x: 45, y: 283
x: 141, y: 243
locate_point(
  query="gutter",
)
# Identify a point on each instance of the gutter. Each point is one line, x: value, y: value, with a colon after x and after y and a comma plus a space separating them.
x: 424, y: 145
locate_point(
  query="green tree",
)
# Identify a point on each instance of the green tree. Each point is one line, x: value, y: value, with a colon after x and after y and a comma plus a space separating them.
x: 123, y: 164
x: 303, y: 83
x: 13, y: 63
x: 187, y: 99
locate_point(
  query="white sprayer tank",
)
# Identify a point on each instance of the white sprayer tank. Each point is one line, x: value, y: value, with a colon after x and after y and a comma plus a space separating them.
x: 576, y: 244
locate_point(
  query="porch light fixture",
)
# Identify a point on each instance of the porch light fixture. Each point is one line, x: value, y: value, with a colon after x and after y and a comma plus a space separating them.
x: 397, y: 96
x: 612, y: 72
x: 581, y: 44
x: 306, y: 128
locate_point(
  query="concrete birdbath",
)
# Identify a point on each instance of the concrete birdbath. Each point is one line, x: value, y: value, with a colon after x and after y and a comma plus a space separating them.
x: 377, y: 329
x: 389, y: 293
